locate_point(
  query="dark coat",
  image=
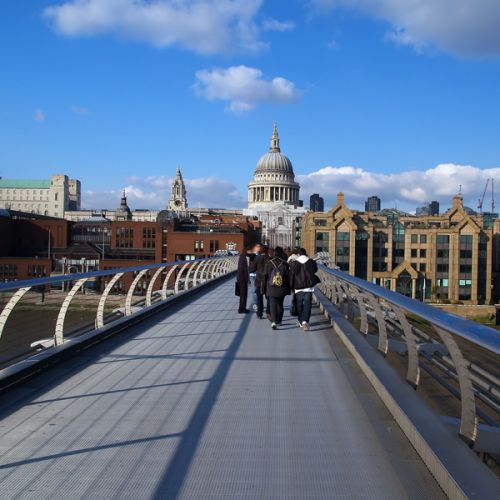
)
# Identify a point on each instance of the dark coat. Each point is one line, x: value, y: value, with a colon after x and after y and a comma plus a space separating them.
x: 258, y: 266
x: 242, y: 276
x: 273, y: 291
x: 303, y: 275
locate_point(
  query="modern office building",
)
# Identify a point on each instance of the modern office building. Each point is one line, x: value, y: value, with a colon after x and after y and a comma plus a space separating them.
x: 50, y: 197
x: 449, y: 257
x: 431, y: 208
x: 316, y: 203
x: 372, y: 204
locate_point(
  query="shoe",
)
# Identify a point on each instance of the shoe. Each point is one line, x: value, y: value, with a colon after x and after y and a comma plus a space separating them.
x: 254, y: 307
x: 273, y: 326
x: 259, y: 316
x: 305, y: 326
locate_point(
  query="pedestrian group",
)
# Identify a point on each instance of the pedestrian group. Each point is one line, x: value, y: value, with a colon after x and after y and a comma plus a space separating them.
x: 272, y: 274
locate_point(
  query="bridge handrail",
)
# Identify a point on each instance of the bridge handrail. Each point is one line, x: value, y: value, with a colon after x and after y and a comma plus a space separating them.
x: 14, y: 285
x: 207, y: 269
x: 484, y: 336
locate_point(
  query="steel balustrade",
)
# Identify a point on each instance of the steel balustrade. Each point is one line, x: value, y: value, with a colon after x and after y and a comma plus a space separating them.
x: 210, y: 268
x: 389, y: 311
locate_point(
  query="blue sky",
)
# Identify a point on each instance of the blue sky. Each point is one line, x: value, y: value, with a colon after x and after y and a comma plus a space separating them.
x: 380, y: 99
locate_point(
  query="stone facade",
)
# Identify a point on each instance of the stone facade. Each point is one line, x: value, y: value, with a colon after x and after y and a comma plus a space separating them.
x: 45, y: 197
x: 273, y: 197
x: 449, y: 257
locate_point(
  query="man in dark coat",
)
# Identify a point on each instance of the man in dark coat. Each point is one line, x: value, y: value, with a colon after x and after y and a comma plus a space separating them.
x: 278, y: 285
x: 258, y: 266
x: 302, y: 280
x: 243, y: 279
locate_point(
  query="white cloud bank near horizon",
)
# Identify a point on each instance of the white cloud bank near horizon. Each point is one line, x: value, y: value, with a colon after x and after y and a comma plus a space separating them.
x: 243, y: 87
x: 202, y: 26
x: 406, y: 190
x: 460, y: 27
x: 153, y: 192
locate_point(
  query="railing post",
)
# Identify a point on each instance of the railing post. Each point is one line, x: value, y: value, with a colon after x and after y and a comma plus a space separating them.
x: 413, y: 374
x: 99, y: 320
x: 59, y: 332
x: 149, y: 293
x: 179, y: 275
x: 164, y: 288
x: 130, y: 293
x: 18, y: 295
x: 468, y: 419
x: 383, y: 343
x: 194, y: 268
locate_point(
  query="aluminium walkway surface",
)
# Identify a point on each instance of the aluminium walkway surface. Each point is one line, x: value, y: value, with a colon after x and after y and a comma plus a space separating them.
x: 200, y: 402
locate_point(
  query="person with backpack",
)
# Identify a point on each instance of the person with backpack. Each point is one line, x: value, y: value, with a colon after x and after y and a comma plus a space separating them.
x: 302, y: 280
x: 277, y: 285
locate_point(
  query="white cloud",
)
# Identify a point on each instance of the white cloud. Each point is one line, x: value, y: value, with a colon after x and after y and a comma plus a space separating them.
x: 462, y: 27
x: 153, y: 192
x: 275, y: 25
x: 407, y: 189
x: 80, y: 110
x: 39, y: 116
x: 204, y: 26
x: 243, y: 87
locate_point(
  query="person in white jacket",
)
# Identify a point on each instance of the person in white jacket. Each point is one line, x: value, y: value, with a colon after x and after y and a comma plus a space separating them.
x: 302, y: 280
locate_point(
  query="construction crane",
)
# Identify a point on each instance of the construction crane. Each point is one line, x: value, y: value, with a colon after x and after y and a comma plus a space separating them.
x: 481, y: 200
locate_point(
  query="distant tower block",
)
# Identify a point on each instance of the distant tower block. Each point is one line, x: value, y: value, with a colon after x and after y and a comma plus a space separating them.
x: 178, y: 199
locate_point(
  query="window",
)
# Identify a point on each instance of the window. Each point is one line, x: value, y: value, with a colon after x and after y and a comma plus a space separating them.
x: 214, y: 246
x: 423, y: 267
x: 413, y: 252
x: 443, y: 239
x: 322, y: 242
x: 442, y: 268
x: 423, y: 253
x: 423, y: 239
x: 320, y: 222
x: 466, y: 239
x: 465, y: 268
x: 443, y: 254
x: 414, y: 238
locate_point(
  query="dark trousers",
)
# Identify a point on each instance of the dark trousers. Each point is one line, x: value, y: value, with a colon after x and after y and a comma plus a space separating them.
x: 304, y: 303
x: 243, y: 295
x: 260, y: 302
x: 276, y: 304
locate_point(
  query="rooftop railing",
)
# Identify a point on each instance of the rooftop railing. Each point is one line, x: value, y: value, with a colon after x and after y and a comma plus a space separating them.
x: 42, y: 313
x: 461, y: 356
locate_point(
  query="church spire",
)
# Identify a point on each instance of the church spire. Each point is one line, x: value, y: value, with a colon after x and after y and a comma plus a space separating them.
x: 275, y: 141
x: 178, y: 198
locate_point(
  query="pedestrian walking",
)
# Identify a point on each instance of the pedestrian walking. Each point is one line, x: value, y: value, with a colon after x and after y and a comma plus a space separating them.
x: 259, y: 264
x: 251, y: 271
x: 302, y: 280
x: 277, y: 281
x: 242, y: 281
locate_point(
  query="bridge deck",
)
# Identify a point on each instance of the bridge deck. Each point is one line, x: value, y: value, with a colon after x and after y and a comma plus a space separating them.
x: 201, y: 402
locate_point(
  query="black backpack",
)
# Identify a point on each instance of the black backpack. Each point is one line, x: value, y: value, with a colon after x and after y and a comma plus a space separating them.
x: 276, y: 278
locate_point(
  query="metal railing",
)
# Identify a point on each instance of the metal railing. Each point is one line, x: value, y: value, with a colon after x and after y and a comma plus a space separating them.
x: 462, y: 356
x: 34, y: 313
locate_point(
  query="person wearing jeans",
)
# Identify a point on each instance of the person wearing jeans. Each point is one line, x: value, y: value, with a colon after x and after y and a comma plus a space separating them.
x: 277, y: 285
x: 302, y: 280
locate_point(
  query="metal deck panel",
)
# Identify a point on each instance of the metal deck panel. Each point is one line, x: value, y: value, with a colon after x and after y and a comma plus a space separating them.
x: 204, y: 403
